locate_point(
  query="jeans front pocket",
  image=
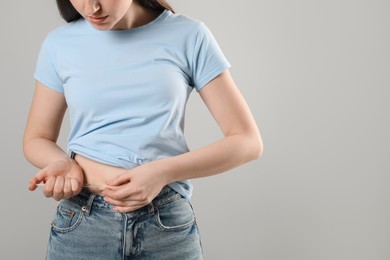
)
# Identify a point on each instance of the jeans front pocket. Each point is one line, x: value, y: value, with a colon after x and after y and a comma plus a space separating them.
x: 68, y: 217
x: 175, y: 216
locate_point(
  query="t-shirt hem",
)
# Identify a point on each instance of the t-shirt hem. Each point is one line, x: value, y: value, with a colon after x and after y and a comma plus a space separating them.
x: 49, y: 84
x: 211, y: 76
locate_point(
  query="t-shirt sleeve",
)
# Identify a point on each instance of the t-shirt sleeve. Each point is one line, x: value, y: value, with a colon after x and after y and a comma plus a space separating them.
x: 45, y: 71
x: 208, y: 61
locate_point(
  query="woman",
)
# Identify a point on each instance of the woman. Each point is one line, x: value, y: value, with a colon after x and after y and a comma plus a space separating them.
x: 125, y: 70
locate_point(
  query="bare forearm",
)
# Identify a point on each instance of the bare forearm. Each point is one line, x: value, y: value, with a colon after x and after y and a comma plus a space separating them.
x: 215, y: 158
x: 41, y: 152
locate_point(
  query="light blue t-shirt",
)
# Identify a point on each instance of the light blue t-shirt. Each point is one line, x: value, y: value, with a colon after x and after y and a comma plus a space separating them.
x: 127, y: 90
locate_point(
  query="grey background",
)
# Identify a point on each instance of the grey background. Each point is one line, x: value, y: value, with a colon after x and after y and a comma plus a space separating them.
x: 316, y: 75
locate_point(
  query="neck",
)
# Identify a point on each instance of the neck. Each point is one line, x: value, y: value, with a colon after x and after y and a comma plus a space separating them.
x: 136, y: 16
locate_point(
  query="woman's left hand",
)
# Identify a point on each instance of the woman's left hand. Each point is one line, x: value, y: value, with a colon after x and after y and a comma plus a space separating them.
x: 133, y: 189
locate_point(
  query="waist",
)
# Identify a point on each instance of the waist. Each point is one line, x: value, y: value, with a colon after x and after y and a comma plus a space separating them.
x: 96, y: 174
x: 88, y: 200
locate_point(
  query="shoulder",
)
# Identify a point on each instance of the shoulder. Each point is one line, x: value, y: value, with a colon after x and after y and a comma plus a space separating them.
x: 183, y: 23
x: 66, y: 31
x: 183, y: 19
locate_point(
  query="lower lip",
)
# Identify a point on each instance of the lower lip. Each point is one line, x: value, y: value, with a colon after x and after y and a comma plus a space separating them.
x: 98, y: 20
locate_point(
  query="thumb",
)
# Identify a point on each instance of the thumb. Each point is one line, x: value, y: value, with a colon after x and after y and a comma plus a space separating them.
x: 120, y: 179
x: 41, y: 176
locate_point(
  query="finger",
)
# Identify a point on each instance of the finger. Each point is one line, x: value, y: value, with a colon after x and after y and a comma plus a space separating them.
x: 116, y: 202
x: 120, y: 179
x: 33, y: 184
x: 129, y: 201
x: 118, y: 194
x: 67, y: 188
x: 38, y: 178
x: 58, y: 191
x: 126, y: 202
x: 49, y: 186
x: 76, y: 186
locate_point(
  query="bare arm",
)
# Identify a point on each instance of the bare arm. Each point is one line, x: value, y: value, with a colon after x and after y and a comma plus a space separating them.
x: 61, y: 174
x: 43, y: 126
x: 241, y: 143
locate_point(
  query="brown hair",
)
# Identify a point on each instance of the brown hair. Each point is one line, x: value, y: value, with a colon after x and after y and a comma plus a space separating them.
x: 70, y: 14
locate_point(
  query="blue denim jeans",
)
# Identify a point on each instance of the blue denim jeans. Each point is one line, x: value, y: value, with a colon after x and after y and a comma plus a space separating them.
x: 86, y: 227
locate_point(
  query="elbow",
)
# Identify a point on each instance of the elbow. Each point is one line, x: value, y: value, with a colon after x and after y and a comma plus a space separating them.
x: 255, y: 144
x: 25, y: 146
x: 250, y: 147
x: 257, y: 147
x: 26, y: 149
x: 29, y: 146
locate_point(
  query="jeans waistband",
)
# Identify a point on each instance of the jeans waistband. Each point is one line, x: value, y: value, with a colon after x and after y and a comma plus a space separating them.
x: 88, y: 200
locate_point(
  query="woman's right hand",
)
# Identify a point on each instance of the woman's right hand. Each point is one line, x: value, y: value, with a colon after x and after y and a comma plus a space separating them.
x: 63, y: 179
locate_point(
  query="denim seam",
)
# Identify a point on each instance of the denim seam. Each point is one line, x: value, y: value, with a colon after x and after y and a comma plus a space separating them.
x: 68, y: 229
x: 165, y: 201
x: 174, y: 228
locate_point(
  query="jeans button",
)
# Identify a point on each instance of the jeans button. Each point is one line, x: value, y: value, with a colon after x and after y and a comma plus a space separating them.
x: 84, y: 208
